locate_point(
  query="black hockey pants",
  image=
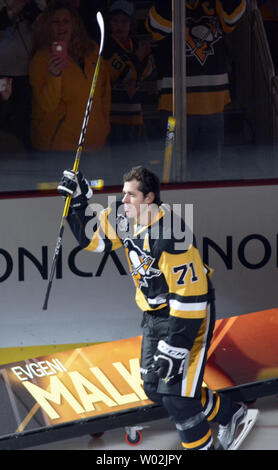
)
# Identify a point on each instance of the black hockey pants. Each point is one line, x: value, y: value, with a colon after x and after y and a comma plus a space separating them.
x: 191, y: 415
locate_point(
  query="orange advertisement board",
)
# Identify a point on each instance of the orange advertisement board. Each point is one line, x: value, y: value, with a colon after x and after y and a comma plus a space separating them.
x: 244, y: 350
x: 105, y: 378
x: 81, y: 383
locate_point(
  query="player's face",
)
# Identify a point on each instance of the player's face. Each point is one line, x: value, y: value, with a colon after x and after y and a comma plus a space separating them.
x: 135, y: 203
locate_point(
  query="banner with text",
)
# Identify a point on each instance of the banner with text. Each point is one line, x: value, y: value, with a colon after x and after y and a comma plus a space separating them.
x: 92, y: 296
x: 102, y: 379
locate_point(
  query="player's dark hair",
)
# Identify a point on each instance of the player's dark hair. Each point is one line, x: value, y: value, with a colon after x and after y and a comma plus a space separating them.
x: 149, y: 182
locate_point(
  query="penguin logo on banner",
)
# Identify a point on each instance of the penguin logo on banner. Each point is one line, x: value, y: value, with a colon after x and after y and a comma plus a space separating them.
x: 201, y: 36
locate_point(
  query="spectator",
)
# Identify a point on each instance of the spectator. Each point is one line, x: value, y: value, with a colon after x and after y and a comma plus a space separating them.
x: 269, y: 12
x: 88, y: 9
x: 5, y: 94
x: 129, y: 64
x: 16, y: 19
x: 207, y: 77
x: 61, y: 85
x: 10, y: 144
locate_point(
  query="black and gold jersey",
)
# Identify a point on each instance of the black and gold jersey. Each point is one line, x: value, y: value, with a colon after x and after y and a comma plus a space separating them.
x: 207, y: 80
x: 164, y: 262
x: 126, y: 73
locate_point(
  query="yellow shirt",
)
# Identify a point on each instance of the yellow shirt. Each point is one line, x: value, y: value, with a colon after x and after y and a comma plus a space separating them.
x: 59, y: 104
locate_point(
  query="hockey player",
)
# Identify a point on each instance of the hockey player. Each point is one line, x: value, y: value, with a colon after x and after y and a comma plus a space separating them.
x: 174, y: 291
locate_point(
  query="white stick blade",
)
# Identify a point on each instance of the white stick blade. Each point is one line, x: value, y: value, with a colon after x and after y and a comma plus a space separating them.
x: 101, y: 27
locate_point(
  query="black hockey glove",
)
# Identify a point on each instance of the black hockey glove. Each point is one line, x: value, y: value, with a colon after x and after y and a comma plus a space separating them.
x: 75, y: 185
x: 169, y: 362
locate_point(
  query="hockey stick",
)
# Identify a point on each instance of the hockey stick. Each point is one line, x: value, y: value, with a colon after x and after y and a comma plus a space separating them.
x: 94, y: 184
x: 168, y: 153
x: 77, y: 159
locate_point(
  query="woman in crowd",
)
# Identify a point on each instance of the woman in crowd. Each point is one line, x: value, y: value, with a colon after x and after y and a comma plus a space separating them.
x: 61, y: 79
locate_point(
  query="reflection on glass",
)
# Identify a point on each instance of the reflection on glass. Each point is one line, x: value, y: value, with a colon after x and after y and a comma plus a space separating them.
x: 233, y: 137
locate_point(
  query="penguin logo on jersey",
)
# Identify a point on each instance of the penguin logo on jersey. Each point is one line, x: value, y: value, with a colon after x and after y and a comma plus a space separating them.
x: 140, y: 264
x: 122, y: 223
x: 201, y: 36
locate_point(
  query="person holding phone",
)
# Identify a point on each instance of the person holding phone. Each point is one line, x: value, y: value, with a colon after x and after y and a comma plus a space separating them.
x: 61, y: 71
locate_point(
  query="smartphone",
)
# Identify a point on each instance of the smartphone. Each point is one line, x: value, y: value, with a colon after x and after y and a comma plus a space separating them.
x: 3, y: 84
x: 59, y: 49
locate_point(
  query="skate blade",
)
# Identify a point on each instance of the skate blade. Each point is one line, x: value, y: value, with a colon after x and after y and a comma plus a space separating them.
x: 247, y: 423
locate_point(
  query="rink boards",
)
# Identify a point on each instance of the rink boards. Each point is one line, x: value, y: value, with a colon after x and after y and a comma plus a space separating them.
x: 69, y: 389
x: 92, y: 389
x: 92, y: 295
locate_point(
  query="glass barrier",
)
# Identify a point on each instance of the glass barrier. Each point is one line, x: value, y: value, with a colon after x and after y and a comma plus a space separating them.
x: 238, y: 143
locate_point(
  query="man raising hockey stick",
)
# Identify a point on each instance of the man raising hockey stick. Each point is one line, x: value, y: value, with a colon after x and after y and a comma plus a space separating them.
x: 174, y: 291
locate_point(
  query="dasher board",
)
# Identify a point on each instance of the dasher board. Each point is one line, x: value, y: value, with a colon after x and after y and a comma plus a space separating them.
x: 96, y: 388
x: 237, y: 239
